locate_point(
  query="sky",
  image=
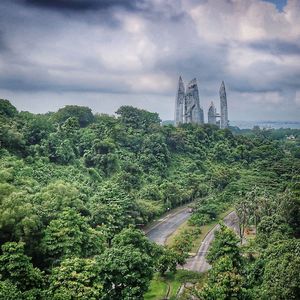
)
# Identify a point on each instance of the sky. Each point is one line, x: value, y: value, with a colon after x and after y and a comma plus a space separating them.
x: 108, y: 53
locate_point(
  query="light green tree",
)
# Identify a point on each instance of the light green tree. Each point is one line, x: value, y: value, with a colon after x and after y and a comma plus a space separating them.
x: 75, y: 279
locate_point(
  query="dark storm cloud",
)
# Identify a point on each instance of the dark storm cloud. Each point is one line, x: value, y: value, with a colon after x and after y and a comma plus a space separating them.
x: 80, y: 5
x: 37, y: 84
x: 3, y: 46
x: 277, y: 47
x: 150, y: 10
x: 276, y: 79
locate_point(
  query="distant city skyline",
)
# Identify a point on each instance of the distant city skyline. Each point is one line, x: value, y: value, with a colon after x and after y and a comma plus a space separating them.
x: 107, y: 53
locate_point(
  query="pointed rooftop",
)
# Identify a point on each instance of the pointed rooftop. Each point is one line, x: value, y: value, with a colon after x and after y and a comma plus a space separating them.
x: 180, y: 86
x: 179, y: 102
x: 222, y: 87
x: 192, y: 83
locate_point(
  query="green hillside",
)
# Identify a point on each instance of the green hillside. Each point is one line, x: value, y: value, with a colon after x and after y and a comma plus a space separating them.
x: 75, y: 188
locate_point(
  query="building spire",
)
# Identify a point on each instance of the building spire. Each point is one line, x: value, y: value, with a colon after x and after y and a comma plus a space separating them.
x: 188, y: 109
x: 212, y: 114
x: 223, y: 106
x: 192, y: 111
x: 179, y: 102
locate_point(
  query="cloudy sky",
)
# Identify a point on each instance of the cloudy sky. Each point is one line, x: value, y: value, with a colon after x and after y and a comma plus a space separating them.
x: 108, y: 53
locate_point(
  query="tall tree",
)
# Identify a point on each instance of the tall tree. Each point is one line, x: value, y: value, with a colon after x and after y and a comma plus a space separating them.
x: 224, y: 244
x: 7, y: 109
x: 75, y: 279
x: 82, y: 113
x: 126, y: 273
x: 16, y: 267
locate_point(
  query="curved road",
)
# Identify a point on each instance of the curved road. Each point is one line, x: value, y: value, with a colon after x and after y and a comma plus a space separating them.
x: 166, y: 226
x: 198, y: 262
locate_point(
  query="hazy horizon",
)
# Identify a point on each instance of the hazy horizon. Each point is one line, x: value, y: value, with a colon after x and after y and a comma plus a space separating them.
x: 105, y: 54
x: 235, y: 121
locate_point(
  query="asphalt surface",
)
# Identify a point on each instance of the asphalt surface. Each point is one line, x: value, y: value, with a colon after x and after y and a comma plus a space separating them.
x: 167, y: 225
x: 198, y: 263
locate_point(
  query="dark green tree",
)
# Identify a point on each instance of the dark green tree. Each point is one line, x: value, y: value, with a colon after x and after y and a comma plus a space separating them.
x: 281, y: 272
x: 125, y: 272
x: 102, y: 155
x: 81, y: 113
x: 224, y: 244
x: 138, y: 118
x: 7, y: 109
x: 16, y: 267
x: 70, y: 235
x: 224, y: 282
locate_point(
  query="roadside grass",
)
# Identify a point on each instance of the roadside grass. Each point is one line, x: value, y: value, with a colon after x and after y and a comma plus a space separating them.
x: 159, y: 285
x: 174, y: 284
x: 204, y: 230
x: 157, y: 290
x: 188, y: 291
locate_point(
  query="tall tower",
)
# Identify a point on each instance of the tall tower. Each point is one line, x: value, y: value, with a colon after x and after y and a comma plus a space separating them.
x: 212, y: 114
x: 201, y: 116
x: 179, y: 103
x: 223, y: 105
x: 192, y: 109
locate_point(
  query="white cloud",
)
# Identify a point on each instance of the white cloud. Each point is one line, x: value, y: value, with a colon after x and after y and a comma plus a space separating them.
x: 150, y: 83
x: 221, y: 21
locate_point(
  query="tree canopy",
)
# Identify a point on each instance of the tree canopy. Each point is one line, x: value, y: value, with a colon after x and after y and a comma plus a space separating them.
x: 75, y: 188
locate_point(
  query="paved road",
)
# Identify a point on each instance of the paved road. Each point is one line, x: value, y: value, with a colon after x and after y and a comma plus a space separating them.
x: 198, y: 262
x: 167, y: 225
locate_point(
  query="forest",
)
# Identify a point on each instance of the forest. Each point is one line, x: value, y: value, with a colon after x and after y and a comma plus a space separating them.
x: 76, y: 189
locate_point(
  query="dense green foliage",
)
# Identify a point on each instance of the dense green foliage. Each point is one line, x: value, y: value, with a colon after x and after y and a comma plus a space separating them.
x: 75, y: 186
x: 252, y: 271
x: 265, y: 266
x: 225, y: 280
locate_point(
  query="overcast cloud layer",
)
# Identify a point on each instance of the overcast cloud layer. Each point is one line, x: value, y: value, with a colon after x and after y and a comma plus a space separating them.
x: 108, y: 53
